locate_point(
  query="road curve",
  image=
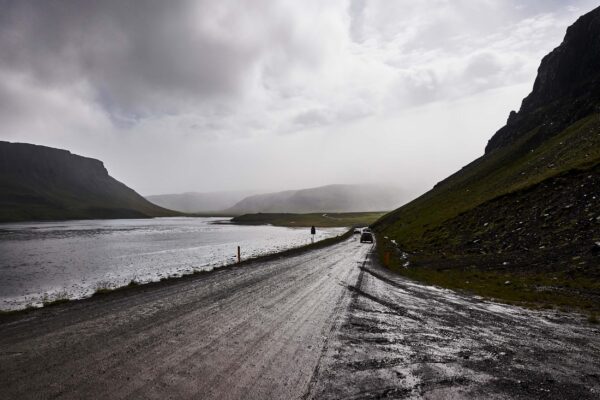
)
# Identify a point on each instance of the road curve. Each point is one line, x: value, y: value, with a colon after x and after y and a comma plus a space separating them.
x: 326, y: 324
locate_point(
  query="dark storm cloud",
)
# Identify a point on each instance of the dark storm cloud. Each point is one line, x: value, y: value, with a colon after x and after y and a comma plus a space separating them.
x: 137, y: 57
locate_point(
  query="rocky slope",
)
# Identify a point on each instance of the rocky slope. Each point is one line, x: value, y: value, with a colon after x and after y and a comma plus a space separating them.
x: 331, y: 198
x: 567, y: 87
x: 529, y: 206
x: 43, y: 183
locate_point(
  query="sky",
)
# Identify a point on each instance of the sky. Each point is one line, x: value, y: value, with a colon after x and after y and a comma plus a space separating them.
x: 177, y: 96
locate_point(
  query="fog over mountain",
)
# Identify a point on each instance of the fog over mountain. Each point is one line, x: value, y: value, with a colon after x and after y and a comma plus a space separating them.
x: 193, y: 202
x: 330, y: 198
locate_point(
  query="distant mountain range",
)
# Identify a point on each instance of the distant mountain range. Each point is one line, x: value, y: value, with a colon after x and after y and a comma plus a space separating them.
x: 43, y: 183
x: 331, y: 198
x: 194, y: 202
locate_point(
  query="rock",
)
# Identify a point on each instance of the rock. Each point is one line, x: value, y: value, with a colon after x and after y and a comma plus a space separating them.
x: 566, y: 88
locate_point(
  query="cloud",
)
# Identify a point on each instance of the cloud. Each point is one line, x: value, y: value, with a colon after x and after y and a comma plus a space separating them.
x: 311, y: 118
x: 140, y: 60
x: 172, y: 81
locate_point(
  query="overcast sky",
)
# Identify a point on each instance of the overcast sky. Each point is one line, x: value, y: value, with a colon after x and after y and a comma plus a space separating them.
x: 211, y: 95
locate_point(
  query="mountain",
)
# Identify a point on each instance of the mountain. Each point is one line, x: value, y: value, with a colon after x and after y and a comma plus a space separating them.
x: 193, y: 202
x: 527, y: 211
x: 331, y: 198
x: 43, y: 183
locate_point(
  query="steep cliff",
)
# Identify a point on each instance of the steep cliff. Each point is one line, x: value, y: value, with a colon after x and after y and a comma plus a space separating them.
x: 43, y: 183
x: 567, y: 87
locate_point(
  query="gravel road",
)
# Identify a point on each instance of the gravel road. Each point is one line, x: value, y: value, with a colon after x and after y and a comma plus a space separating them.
x: 328, y: 323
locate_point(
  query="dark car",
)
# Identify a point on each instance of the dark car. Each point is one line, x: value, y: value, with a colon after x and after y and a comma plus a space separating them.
x: 357, y: 231
x: 366, y: 237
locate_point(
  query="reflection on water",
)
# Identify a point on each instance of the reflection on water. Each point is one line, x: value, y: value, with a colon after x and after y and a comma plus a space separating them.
x: 48, y: 260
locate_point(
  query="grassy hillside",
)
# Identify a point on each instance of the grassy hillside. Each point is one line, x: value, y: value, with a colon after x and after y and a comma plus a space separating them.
x: 307, y: 220
x: 504, y: 171
x: 522, y: 222
x: 517, y: 225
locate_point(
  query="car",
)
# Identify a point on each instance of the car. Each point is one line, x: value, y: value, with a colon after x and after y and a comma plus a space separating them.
x: 366, y: 237
x: 357, y: 231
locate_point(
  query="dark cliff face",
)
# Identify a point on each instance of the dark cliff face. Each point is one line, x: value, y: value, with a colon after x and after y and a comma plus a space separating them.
x: 567, y: 87
x: 38, y: 182
x: 32, y: 163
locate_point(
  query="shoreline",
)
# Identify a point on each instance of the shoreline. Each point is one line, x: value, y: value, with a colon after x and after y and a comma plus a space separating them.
x: 133, y: 286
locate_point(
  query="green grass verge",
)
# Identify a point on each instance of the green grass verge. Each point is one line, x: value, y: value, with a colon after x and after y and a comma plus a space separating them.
x: 106, y: 288
x: 322, y: 220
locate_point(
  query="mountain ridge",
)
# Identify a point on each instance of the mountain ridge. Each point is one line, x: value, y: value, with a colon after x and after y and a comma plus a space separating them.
x: 45, y: 183
x: 335, y: 198
x: 566, y: 88
x: 199, y: 202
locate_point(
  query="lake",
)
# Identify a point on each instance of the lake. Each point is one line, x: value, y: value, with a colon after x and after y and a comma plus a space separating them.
x: 45, y: 261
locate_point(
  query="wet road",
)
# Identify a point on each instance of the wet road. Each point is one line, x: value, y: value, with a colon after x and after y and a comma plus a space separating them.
x: 324, y: 324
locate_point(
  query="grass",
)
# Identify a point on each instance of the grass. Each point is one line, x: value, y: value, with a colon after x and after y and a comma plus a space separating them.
x: 105, y: 290
x: 439, y: 218
x: 60, y: 298
x: 55, y: 302
x: 526, y: 288
x: 319, y: 220
x: 501, y: 172
x: 106, y: 287
x: 27, y: 309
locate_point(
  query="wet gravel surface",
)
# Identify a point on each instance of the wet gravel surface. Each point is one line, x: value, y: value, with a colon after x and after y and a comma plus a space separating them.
x: 401, y: 339
x: 328, y: 323
x: 253, y: 332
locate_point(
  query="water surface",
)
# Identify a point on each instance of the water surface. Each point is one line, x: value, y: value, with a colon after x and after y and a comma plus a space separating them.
x: 44, y: 261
